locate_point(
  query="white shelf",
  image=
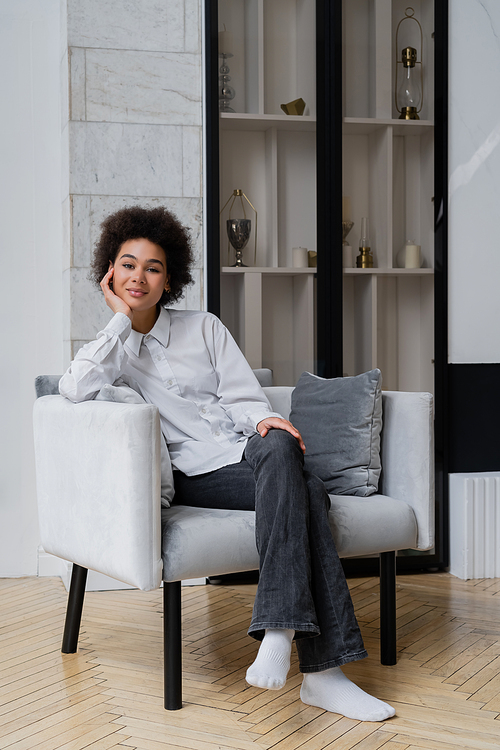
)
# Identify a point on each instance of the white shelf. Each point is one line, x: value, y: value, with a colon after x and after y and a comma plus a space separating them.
x: 268, y: 271
x: 249, y: 121
x: 388, y: 271
x: 367, y: 125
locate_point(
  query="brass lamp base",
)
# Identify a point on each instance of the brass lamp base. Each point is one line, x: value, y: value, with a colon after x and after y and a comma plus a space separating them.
x: 409, y: 113
x: 365, y: 258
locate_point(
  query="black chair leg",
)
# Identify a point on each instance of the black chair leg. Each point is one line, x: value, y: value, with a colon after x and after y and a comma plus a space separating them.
x: 388, y: 608
x: 74, y: 609
x: 172, y: 639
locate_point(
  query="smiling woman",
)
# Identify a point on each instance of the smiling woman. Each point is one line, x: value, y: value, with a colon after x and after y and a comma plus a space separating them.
x: 162, y: 229
x: 136, y: 281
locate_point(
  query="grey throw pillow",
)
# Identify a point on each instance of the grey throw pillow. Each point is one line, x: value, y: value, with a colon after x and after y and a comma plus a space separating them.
x: 47, y: 385
x: 341, y: 420
x: 123, y: 394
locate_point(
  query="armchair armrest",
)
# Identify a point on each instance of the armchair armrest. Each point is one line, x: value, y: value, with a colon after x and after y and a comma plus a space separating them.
x: 407, y: 454
x: 98, y: 486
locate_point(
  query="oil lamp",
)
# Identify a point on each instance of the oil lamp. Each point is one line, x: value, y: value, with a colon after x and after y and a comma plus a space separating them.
x: 409, y: 93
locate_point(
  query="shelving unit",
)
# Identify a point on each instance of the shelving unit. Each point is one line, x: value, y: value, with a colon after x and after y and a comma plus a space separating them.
x: 270, y: 308
x: 361, y: 318
x: 388, y: 175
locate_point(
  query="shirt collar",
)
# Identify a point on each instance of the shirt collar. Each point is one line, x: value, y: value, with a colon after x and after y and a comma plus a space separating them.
x: 160, y: 331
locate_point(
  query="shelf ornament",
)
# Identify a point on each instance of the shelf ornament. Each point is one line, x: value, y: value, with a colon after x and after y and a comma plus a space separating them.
x: 347, y: 225
x: 365, y: 257
x: 409, y: 96
x: 296, y: 107
x: 239, y: 230
x: 226, y: 91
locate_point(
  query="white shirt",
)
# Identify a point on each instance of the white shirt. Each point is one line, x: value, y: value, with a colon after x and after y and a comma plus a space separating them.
x: 190, y: 367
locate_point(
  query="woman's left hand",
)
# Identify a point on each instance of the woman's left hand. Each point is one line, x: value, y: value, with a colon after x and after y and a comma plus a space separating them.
x: 277, y: 423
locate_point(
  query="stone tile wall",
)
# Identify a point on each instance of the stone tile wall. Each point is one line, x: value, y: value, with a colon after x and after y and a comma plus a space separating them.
x: 131, y: 132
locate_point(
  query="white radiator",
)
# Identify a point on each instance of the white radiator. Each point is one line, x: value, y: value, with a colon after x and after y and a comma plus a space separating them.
x: 475, y: 525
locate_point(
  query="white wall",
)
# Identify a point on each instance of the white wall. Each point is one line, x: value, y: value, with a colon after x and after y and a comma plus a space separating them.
x: 31, y: 256
x: 474, y: 168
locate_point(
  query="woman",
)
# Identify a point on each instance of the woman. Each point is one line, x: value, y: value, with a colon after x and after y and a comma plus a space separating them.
x: 229, y: 450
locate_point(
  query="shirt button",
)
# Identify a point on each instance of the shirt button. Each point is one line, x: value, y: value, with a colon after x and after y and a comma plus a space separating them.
x: 217, y: 433
x: 170, y: 382
x: 158, y: 357
x: 146, y: 338
x: 203, y: 411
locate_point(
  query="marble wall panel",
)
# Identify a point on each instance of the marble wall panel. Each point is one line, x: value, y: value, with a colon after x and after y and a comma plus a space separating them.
x: 152, y: 87
x: 191, y: 162
x: 192, y: 26
x: 77, y: 83
x: 116, y: 159
x: 127, y: 24
x: 80, y: 231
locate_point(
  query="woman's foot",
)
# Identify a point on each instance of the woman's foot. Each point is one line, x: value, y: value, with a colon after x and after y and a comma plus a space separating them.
x: 335, y: 692
x: 271, y: 666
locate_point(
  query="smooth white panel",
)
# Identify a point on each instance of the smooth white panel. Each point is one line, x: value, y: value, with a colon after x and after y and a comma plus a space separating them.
x: 31, y: 251
x: 474, y: 189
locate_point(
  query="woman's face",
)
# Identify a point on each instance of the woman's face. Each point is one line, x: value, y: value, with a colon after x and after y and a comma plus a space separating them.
x: 140, y: 274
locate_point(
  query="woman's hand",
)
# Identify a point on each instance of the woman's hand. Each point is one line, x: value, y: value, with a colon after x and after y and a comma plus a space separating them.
x: 277, y: 423
x: 112, y: 300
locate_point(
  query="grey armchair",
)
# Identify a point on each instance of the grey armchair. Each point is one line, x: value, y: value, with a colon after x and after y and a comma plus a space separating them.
x: 98, y: 484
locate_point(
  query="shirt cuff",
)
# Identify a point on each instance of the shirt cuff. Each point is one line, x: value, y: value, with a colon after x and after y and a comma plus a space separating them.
x: 257, y: 417
x: 121, y: 325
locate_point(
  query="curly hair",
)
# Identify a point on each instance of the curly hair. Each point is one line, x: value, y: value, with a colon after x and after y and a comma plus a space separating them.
x: 158, y: 225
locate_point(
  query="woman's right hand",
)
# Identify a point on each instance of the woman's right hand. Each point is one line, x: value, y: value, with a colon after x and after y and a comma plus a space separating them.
x: 115, y: 303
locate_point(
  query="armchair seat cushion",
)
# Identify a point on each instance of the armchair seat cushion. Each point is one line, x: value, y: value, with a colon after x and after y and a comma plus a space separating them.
x: 194, y: 536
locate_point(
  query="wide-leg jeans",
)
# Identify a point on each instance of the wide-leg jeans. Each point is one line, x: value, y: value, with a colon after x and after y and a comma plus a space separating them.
x: 301, y: 584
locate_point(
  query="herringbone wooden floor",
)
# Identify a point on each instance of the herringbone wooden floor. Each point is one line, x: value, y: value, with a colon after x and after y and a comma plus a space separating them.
x: 445, y: 687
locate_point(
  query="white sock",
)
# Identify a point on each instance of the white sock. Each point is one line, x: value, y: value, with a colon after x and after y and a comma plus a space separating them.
x: 335, y: 692
x: 271, y: 666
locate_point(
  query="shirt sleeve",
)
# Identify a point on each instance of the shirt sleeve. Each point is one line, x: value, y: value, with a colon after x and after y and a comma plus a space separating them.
x: 98, y: 362
x: 239, y: 391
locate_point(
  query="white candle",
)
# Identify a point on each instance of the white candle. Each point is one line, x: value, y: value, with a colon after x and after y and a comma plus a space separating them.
x: 299, y: 257
x: 225, y: 42
x: 347, y: 256
x: 412, y: 256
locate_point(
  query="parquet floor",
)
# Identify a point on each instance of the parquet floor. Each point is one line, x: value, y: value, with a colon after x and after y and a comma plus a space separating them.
x: 445, y: 687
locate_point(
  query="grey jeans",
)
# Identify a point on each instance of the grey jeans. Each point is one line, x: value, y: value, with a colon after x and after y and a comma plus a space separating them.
x: 301, y: 584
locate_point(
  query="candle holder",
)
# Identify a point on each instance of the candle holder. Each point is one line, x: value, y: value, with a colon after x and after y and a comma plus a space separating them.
x: 347, y: 225
x: 238, y: 230
x: 226, y: 92
x: 346, y: 228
